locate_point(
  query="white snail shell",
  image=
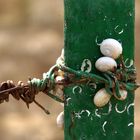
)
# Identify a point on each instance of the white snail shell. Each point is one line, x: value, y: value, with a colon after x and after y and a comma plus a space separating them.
x: 62, y: 54
x: 60, y: 120
x: 59, y: 79
x: 62, y: 104
x: 123, y: 94
x: 59, y: 91
x: 105, y: 64
x: 101, y: 98
x: 111, y: 48
x: 61, y: 59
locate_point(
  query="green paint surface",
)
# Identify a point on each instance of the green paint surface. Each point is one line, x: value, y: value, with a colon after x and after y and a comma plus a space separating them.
x: 88, y: 22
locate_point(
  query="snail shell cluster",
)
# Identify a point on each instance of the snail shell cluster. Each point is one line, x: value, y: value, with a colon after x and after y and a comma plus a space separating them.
x: 102, y: 97
x: 111, y: 49
x: 60, y: 120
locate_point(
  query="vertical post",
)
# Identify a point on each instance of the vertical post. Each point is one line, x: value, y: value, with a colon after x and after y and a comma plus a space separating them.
x: 87, y: 23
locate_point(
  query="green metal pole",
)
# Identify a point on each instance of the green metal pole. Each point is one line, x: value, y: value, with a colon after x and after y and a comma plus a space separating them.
x: 87, y: 23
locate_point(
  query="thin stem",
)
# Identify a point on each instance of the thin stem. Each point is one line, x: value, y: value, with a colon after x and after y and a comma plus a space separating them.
x: 54, y: 97
x: 90, y: 76
x: 11, y: 89
x: 39, y: 105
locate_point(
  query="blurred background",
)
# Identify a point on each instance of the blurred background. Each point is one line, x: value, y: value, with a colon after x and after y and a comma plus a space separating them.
x: 31, y: 39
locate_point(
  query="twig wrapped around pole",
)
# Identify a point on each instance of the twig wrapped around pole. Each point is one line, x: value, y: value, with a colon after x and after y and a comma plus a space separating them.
x: 60, y: 76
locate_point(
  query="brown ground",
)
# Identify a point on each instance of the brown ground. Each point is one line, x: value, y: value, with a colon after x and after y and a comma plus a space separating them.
x: 30, y: 42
